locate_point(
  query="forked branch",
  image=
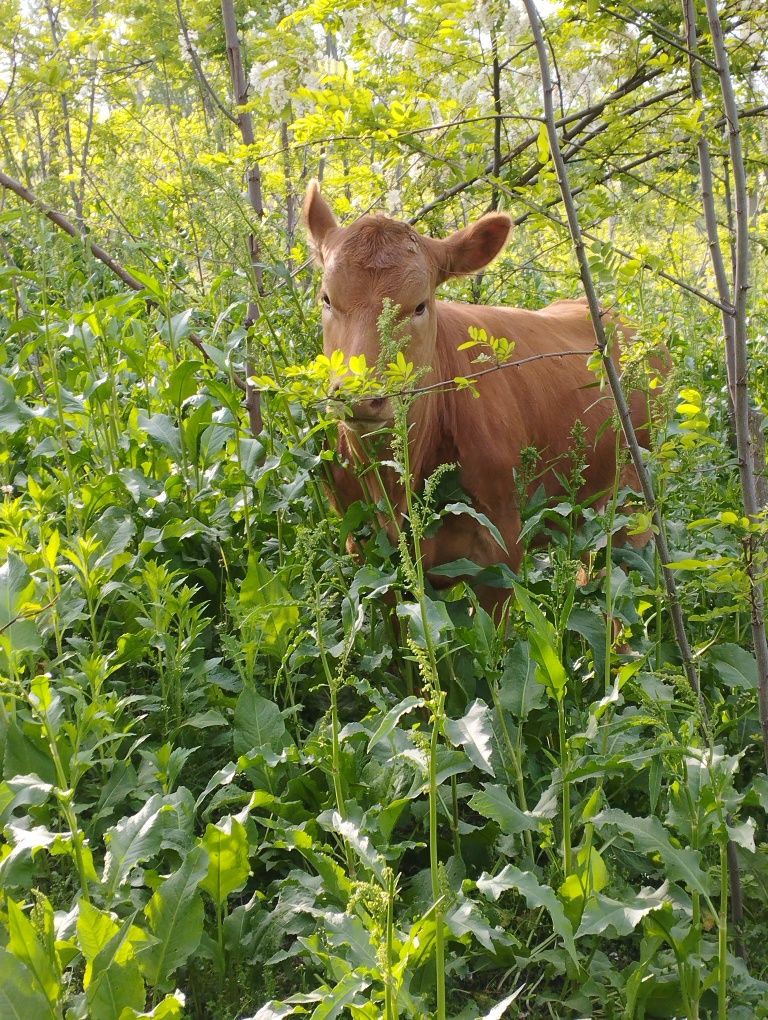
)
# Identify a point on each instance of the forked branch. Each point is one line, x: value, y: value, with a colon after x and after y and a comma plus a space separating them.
x: 610, y: 369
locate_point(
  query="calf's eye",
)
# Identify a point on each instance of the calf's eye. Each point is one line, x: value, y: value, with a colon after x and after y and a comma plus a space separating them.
x: 420, y: 309
x: 326, y: 300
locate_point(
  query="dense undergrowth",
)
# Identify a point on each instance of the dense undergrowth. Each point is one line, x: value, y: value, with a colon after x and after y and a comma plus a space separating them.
x: 242, y: 766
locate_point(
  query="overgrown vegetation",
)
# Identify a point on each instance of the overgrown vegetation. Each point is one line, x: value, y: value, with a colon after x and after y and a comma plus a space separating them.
x: 245, y: 774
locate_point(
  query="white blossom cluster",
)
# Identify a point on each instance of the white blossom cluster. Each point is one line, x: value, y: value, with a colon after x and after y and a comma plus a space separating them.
x: 272, y: 83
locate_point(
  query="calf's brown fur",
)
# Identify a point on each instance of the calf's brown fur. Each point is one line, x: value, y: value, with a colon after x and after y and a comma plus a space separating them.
x: 533, y: 405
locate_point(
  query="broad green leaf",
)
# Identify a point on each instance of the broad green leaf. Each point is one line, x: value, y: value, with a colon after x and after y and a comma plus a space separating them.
x: 465, y: 918
x: 542, y: 639
x: 536, y: 896
x: 259, y: 724
x: 26, y: 946
x: 590, y: 624
x: 16, y: 592
x: 228, y: 864
x: 139, y: 837
x: 474, y: 732
x: 171, y: 1008
x: 392, y: 718
x: 340, y: 996
x: 270, y: 609
x: 175, y: 916
x: 20, y: 995
x: 620, y: 917
x: 743, y: 834
x: 116, y: 981
x: 22, y: 791
x: 735, y: 664
x: 590, y: 876
x: 438, y: 621
x: 520, y: 693
x: 162, y: 429
x: 94, y: 930
x: 13, y: 413
x: 493, y: 802
x: 465, y: 508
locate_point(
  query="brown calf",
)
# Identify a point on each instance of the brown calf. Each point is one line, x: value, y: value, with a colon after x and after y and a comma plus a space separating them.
x: 532, y: 405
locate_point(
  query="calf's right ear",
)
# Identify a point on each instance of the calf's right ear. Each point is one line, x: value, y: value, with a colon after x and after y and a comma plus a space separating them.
x: 319, y: 219
x: 471, y: 249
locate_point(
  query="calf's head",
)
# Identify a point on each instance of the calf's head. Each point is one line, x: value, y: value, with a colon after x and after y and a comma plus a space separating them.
x: 377, y: 259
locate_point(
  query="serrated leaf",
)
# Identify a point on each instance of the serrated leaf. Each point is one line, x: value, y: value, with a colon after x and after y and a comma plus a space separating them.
x: 474, y: 733
x: 493, y: 802
x: 175, y: 916
x: 620, y: 917
x: 536, y: 896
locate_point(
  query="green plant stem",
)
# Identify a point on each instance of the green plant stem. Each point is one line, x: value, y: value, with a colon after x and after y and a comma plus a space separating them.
x: 438, y: 701
x: 65, y: 796
x: 338, y: 788
x: 567, y: 851
x: 516, y: 766
x: 390, y: 991
x: 434, y: 865
x: 722, y: 937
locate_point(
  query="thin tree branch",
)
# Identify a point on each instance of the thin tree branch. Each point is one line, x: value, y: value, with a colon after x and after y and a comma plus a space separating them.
x: 662, y: 34
x: 662, y: 273
x: 253, y: 180
x: 736, y: 339
x: 198, y: 67
x: 610, y: 368
x: 581, y: 118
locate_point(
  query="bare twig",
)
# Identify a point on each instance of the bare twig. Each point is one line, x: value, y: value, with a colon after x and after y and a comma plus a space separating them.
x: 737, y: 361
x: 610, y: 368
x: 708, y: 197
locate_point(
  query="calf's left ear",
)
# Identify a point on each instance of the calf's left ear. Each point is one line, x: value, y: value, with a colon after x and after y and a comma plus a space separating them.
x: 470, y: 250
x: 319, y: 219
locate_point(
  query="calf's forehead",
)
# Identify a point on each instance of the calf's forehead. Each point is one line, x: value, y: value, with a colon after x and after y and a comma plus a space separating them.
x: 378, y: 258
